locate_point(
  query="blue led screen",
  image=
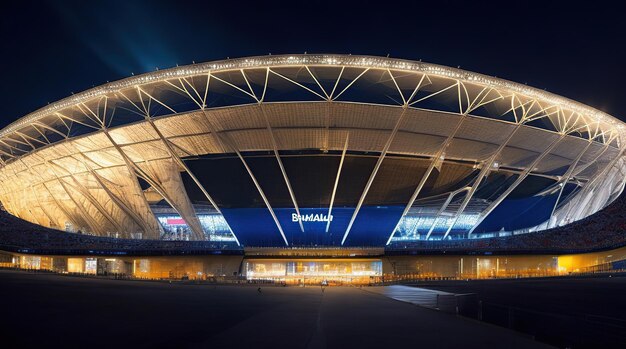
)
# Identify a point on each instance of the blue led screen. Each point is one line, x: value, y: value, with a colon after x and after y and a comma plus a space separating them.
x: 256, y: 227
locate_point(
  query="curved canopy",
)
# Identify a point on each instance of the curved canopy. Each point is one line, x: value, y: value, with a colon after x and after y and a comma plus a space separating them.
x: 444, y: 150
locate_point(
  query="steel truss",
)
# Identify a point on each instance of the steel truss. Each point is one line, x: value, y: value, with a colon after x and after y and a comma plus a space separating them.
x: 92, y: 180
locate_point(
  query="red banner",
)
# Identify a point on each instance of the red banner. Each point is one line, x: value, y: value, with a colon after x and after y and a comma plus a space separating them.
x: 176, y: 221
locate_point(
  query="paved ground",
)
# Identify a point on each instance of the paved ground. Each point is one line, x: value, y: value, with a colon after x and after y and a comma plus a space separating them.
x: 39, y: 310
x: 601, y: 297
x: 578, y: 312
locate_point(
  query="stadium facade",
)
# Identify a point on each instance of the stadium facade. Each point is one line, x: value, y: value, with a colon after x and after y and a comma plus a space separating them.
x: 311, y: 150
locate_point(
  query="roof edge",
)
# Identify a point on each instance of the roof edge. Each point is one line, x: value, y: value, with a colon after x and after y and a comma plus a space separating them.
x: 313, y: 59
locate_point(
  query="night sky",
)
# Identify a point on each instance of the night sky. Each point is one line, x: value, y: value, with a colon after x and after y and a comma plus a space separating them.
x: 53, y: 48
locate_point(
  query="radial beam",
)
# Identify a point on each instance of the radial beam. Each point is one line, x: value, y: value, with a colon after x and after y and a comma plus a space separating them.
x: 85, y: 192
x: 478, y: 101
x: 260, y: 190
x: 566, y: 178
x: 374, y: 172
x: 443, y: 208
x: 121, y: 204
x: 131, y: 170
x: 481, y: 175
x: 84, y: 160
x: 178, y: 159
x: 332, y: 197
x: 165, y: 178
x: 184, y: 206
x: 280, y: 165
x: 433, y: 163
x: 232, y: 146
x: 591, y: 184
x: 70, y: 215
x: 512, y: 187
x: 86, y: 217
x: 32, y: 173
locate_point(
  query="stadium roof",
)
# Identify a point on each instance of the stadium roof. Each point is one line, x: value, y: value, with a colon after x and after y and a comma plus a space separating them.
x: 360, y: 61
x: 97, y: 160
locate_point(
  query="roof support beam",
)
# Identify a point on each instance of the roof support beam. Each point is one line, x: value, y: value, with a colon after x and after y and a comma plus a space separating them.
x: 280, y: 164
x: 85, y: 192
x: 590, y: 186
x: 439, y: 156
x: 181, y: 163
x: 487, y: 166
x: 120, y: 203
x: 512, y: 187
x: 95, y: 227
x: 232, y: 146
x: 130, y: 166
x: 39, y: 200
x: 164, y: 177
x: 565, y: 180
x: 260, y: 190
x: 85, y: 218
x: 374, y: 172
x: 70, y: 215
x: 332, y: 197
x: 443, y: 209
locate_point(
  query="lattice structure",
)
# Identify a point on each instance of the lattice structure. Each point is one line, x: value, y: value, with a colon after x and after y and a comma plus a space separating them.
x: 422, y: 135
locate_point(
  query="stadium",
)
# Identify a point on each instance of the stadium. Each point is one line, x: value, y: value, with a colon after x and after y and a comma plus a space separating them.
x: 327, y: 166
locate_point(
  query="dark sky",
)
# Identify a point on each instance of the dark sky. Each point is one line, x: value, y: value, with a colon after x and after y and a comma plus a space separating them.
x: 52, y: 48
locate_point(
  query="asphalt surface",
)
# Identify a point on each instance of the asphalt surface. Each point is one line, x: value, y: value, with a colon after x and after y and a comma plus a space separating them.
x: 569, y: 312
x: 42, y: 310
x: 575, y: 296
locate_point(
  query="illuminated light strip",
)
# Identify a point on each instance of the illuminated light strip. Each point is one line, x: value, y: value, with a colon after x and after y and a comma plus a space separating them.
x: 332, y: 197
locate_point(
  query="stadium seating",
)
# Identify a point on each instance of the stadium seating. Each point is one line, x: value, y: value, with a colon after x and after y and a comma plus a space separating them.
x: 601, y: 231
